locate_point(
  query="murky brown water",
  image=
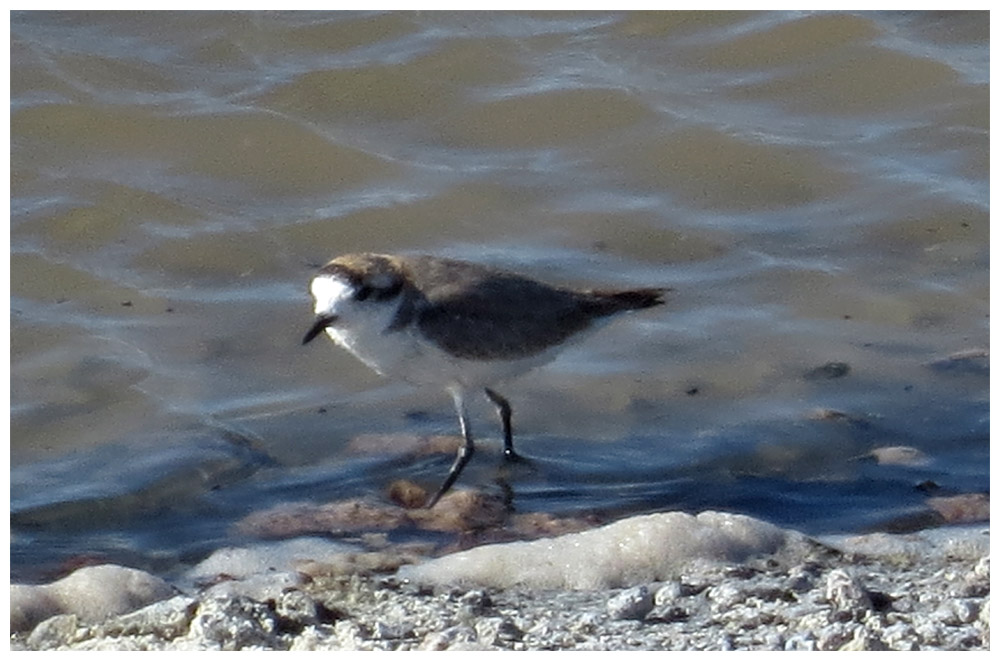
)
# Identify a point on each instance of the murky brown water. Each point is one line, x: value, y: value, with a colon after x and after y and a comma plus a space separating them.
x: 813, y: 186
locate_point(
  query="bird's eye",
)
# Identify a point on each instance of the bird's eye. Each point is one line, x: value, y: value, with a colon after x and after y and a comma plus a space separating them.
x: 363, y: 292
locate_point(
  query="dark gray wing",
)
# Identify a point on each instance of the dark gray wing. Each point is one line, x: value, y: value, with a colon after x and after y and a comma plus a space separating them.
x: 478, y: 313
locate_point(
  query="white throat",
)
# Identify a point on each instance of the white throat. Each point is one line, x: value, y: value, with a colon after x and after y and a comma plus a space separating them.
x: 360, y: 326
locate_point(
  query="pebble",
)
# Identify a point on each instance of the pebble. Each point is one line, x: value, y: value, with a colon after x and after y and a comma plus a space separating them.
x: 494, y: 631
x: 846, y: 593
x: 166, y: 620
x: 234, y: 624
x: 448, y: 638
x: 54, y: 632
x: 668, y: 593
x: 900, y: 455
x: 960, y: 611
x: 631, y: 604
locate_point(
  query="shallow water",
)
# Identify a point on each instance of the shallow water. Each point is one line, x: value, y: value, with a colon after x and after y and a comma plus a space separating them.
x: 813, y: 186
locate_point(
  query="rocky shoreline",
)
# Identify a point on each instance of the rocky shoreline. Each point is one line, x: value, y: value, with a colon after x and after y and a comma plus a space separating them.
x: 735, y: 583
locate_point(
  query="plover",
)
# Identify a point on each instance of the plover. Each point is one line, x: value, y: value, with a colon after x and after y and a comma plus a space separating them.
x: 454, y: 324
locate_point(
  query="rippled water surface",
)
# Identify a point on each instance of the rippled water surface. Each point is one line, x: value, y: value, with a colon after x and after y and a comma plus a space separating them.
x: 812, y: 186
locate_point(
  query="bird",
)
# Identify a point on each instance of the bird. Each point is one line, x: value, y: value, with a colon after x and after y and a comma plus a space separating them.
x: 454, y: 324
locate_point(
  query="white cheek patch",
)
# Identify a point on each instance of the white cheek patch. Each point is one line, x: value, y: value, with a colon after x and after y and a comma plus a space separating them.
x: 329, y: 293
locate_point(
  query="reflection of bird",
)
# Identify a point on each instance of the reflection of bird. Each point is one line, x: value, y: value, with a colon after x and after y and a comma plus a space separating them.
x: 454, y: 324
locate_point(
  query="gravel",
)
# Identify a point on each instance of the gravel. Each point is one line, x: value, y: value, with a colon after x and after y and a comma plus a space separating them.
x: 928, y: 593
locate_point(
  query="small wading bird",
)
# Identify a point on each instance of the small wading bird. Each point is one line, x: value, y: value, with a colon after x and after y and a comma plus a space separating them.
x: 454, y: 324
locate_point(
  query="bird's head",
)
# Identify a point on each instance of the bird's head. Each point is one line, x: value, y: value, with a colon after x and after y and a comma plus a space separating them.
x: 353, y: 289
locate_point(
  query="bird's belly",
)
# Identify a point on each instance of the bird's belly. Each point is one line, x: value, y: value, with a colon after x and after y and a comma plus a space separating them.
x: 404, y: 356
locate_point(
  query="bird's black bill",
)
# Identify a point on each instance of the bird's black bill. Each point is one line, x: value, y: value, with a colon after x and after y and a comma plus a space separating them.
x: 321, y: 325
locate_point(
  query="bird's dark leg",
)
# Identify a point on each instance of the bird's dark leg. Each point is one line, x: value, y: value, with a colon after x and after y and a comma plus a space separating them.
x: 464, y: 453
x: 503, y: 410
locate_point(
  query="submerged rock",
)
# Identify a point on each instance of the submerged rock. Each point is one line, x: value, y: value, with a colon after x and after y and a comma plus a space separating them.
x: 831, y: 370
x: 458, y: 511
x: 962, y: 508
x: 899, y: 455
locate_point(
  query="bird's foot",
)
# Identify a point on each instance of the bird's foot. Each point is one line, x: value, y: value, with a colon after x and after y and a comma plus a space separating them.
x: 510, y: 455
